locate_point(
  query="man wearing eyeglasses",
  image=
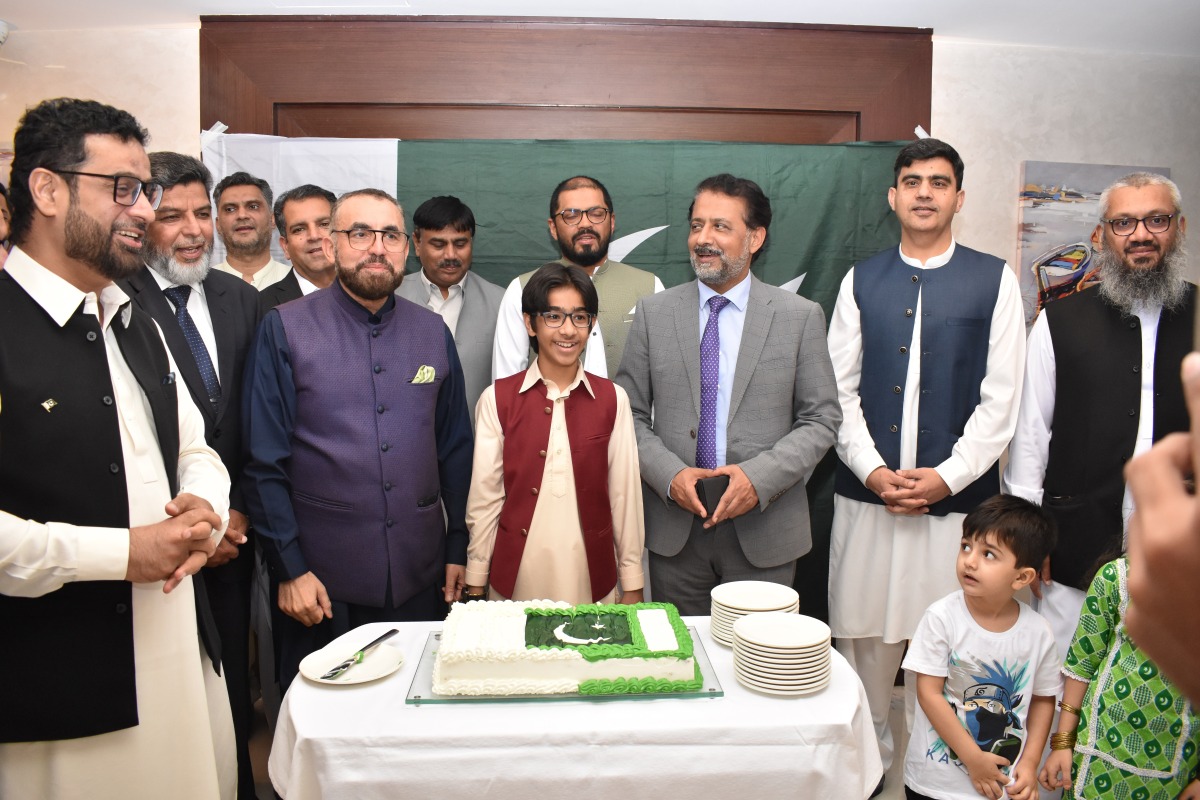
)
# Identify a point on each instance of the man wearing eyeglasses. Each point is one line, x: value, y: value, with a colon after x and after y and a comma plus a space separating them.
x: 568, y: 435
x: 110, y: 499
x: 582, y: 221
x: 244, y: 220
x: 1102, y: 385
x: 208, y: 319
x: 359, y: 438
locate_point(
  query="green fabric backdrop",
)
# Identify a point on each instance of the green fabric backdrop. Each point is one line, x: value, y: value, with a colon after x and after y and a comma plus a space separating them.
x: 829, y: 201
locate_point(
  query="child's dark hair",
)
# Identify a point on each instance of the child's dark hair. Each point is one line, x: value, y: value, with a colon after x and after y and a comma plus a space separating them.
x: 1023, y: 527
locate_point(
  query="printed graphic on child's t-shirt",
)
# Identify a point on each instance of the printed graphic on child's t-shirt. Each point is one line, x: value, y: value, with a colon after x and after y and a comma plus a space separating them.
x: 986, y: 698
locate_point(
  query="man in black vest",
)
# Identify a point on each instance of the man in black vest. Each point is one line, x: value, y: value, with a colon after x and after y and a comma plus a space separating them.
x: 927, y: 343
x: 1102, y: 385
x: 109, y: 689
x: 208, y: 319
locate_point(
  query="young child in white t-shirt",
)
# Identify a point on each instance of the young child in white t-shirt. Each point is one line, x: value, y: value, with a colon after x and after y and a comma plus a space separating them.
x: 986, y: 665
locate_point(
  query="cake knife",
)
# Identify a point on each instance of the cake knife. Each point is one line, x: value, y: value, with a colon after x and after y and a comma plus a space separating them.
x: 357, y: 657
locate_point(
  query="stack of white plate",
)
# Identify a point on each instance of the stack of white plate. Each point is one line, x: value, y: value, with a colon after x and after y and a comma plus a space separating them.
x: 732, y: 601
x: 785, y: 654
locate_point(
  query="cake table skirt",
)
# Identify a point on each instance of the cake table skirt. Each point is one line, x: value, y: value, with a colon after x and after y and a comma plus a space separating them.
x: 364, y: 741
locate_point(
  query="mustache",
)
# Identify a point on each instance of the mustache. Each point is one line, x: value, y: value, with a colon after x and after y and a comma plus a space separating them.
x: 1143, y: 243
x: 450, y: 262
x: 708, y: 251
x: 375, y: 258
x: 584, y: 232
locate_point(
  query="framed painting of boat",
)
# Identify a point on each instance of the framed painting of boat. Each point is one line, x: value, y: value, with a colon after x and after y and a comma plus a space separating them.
x: 1059, y: 207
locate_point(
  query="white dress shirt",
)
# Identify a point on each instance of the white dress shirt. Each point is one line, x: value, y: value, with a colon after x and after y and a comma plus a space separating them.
x: 273, y: 272
x: 307, y: 287
x: 197, y: 307
x: 450, y: 306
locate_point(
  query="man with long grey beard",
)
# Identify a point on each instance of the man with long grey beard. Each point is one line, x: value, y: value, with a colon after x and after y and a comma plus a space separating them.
x: 1102, y: 385
x: 208, y: 320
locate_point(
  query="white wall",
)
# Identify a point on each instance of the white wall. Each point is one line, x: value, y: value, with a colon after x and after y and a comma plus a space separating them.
x: 1000, y: 105
x: 154, y: 73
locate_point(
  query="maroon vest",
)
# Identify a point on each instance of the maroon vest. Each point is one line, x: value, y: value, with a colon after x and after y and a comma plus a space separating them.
x: 525, y: 419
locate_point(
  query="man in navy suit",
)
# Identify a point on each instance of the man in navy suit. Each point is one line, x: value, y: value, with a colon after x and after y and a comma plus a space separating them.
x: 208, y: 319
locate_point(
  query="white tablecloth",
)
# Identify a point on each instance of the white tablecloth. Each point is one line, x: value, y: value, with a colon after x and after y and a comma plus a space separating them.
x: 365, y: 742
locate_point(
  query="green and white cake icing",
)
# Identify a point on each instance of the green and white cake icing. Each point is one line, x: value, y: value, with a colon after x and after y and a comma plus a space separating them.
x: 541, y: 647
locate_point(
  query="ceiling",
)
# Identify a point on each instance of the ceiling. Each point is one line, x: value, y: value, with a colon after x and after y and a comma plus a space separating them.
x: 1165, y: 27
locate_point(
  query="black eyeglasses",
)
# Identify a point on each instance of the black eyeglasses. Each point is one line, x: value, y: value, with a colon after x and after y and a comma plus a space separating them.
x: 1155, y: 223
x: 555, y: 319
x: 364, y: 238
x: 573, y: 216
x: 126, y: 188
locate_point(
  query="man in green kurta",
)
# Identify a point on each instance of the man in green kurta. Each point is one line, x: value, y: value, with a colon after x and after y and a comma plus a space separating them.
x: 582, y: 220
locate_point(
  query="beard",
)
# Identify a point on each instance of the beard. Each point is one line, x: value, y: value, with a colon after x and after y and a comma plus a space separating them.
x: 584, y: 255
x: 1127, y: 288
x: 251, y: 248
x: 729, y: 268
x: 370, y: 285
x: 178, y: 273
x: 86, y: 241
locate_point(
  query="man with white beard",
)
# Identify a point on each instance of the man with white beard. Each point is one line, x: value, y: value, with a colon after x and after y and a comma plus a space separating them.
x: 208, y: 319
x: 1102, y: 385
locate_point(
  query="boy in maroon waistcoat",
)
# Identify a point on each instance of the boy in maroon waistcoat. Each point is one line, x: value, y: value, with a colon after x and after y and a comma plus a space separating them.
x: 555, y: 508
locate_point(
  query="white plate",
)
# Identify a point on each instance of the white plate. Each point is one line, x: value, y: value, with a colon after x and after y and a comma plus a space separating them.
x: 792, y: 654
x: 379, y: 663
x: 785, y: 667
x: 733, y: 614
x: 781, y: 631
x: 778, y: 681
x: 782, y: 693
x: 755, y: 595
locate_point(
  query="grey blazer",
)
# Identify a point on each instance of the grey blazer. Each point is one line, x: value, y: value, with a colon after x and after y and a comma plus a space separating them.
x: 476, y: 328
x: 783, y: 413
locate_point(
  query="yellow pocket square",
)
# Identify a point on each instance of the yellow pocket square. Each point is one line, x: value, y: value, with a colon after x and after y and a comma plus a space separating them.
x: 425, y: 374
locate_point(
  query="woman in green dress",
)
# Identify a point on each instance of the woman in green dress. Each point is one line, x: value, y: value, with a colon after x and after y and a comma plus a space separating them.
x: 1125, y: 731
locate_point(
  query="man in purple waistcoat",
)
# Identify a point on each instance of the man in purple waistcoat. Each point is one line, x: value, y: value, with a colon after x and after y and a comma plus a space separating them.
x: 359, y: 438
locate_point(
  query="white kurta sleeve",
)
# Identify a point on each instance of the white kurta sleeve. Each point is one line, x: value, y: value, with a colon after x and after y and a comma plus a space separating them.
x: 510, y: 348
x: 486, y: 497
x: 855, y: 447
x: 625, y: 496
x: 1030, y: 449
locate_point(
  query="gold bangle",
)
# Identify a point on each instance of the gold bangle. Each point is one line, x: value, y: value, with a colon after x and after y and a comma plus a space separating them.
x: 1062, y: 741
x: 1065, y: 706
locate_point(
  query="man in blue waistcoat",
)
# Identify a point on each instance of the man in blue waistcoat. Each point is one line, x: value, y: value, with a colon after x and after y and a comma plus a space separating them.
x: 359, y: 438
x: 1102, y: 385
x: 927, y: 341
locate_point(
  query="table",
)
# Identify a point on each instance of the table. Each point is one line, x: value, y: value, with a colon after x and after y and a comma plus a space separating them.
x: 364, y: 741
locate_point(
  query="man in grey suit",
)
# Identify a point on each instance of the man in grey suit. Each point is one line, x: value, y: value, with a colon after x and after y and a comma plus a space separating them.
x: 443, y: 239
x: 728, y: 379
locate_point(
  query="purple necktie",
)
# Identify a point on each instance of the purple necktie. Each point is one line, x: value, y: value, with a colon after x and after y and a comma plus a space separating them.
x: 710, y: 374
x: 178, y: 295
